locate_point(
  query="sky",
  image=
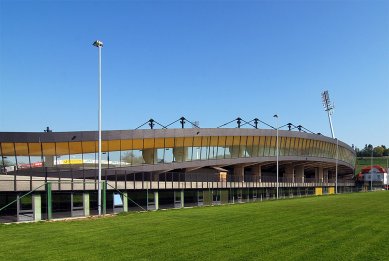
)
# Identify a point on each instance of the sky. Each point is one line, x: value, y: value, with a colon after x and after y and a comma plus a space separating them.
x: 209, y: 61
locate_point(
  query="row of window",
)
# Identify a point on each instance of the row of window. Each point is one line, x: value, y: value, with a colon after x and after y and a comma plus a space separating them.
x: 122, y: 153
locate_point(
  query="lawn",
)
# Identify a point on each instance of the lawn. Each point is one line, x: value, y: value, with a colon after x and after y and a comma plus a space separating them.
x: 366, y: 161
x: 341, y: 227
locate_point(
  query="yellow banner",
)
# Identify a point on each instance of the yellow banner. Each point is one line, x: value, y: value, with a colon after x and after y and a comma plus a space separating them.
x: 71, y: 161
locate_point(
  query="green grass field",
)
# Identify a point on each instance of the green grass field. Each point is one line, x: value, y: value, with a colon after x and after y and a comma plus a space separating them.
x: 342, y: 227
x: 364, y: 162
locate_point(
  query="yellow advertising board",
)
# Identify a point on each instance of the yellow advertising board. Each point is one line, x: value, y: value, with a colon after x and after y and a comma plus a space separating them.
x: 318, y: 191
x: 71, y: 161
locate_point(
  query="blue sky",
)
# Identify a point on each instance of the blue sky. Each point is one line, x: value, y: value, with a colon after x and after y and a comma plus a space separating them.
x: 210, y: 61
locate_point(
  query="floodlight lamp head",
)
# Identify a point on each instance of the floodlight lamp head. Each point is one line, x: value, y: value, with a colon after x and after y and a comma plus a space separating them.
x: 98, y: 43
x: 326, y: 101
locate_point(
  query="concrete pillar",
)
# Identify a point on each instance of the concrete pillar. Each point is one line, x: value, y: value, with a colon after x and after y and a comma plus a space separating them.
x: 257, y: 172
x: 319, y: 174
x: 289, y: 173
x: 125, y: 202
x: 37, y: 207
x: 182, y: 198
x: 49, y: 202
x: 299, y: 174
x: 156, y: 200
x: 86, y: 204
x: 238, y: 173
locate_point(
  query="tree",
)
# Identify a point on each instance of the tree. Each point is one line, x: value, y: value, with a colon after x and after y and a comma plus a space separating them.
x: 378, y: 151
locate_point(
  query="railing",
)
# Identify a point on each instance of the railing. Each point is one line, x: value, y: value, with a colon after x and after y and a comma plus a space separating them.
x: 169, y: 180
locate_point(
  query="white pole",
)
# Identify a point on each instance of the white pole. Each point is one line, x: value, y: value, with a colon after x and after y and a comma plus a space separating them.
x: 99, y: 44
x: 276, y: 116
x: 371, y: 169
x: 332, y: 128
x: 336, y: 166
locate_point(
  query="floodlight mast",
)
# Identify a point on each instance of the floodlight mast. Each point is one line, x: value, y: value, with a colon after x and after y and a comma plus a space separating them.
x: 328, y: 107
x: 99, y: 45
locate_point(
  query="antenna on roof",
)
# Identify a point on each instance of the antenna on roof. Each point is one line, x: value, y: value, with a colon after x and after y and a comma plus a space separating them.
x: 328, y: 107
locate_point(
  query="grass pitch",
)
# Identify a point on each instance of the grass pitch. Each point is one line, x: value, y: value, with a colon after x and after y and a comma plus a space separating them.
x: 341, y: 227
x: 366, y: 161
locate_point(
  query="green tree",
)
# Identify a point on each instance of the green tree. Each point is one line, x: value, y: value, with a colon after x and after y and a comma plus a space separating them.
x: 378, y: 151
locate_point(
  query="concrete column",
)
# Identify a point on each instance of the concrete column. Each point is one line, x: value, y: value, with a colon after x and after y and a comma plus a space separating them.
x: 238, y: 173
x: 182, y: 198
x: 289, y: 173
x: 320, y: 174
x: 86, y: 204
x: 257, y: 172
x: 125, y: 202
x: 156, y: 200
x: 37, y: 207
x: 299, y: 174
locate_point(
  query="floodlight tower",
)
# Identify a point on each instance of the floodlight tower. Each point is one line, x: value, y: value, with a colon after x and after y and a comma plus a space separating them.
x: 328, y: 107
x: 99, y: 45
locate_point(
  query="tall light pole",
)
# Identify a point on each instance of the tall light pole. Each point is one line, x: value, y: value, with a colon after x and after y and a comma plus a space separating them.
x: 371, y: 169
x: 99, y: 45
x: 276, y: 116
x: 336, y: 166
x: 328, y: 107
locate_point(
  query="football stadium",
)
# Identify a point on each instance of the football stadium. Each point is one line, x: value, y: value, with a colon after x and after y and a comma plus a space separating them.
x: 48, y: 175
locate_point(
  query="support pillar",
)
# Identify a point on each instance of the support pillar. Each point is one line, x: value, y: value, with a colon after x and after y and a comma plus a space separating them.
x: 37, y: 207
x: 125, y: 202
x: 182, y: 198
x: 49, y: 201
x: 257, y: 172
x: 299, y: 174
x: 320, y: 174
x: 86, y: 204
x: 239, y: 173
x: 289, y: 173
x: 104, y: 197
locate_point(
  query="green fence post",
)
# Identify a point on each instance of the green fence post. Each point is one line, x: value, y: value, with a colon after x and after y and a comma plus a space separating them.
x: 49, y: 201
x: 104, y: 198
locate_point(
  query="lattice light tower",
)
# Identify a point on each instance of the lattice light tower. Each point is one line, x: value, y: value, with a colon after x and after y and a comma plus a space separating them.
x: 328, y: 107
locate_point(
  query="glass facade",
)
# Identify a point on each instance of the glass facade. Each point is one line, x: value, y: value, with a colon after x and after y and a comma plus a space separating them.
x: 132, y: 152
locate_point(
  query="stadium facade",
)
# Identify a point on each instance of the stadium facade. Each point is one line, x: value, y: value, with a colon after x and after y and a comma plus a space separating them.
x: 163, y: 168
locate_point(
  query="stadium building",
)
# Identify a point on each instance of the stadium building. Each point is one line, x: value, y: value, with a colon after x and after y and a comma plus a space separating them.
x: 147, y: 169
